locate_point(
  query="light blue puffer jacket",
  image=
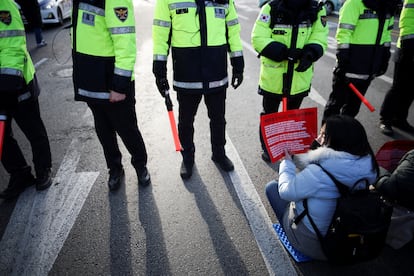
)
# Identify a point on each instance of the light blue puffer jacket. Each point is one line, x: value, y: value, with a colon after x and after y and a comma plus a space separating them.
x: 315, y: 185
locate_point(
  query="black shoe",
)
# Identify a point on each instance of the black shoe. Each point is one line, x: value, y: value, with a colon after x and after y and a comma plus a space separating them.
x: 43, y: 180
x: 386, y: 128
x: 17, y: 185
x: 403, y: 125
x: 186, y: 170
x: 143, y: 176
x: 116, y: 178
x: 224, y: 163
x: 265, y: 156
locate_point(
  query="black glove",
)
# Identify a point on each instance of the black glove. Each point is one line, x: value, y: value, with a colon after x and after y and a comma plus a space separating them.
x: 162, y: 85
x: 236, y: 80
x: 343, y: 58
x: 159, y: 68
x: 238, y: 66
x: 339, y: 72
x: 294, y: 54
x: 305, y: 61
x: 275, y: 51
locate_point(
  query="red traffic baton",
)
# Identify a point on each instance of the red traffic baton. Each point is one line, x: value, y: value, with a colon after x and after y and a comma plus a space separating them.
x: 3, y: 119
x: 284, y: 104
x: 361, y: 97
x: 173, y: 125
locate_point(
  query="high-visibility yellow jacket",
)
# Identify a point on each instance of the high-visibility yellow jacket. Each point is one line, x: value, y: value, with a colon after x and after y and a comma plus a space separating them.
x: 14, y: 57
x: 104, y: 48
x: 406, y: 23
x: 279, y: 33
x: 359, y: 31
x: 199, y: 38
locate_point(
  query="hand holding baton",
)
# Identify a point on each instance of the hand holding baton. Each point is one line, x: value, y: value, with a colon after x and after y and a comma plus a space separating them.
x: 173, y: 125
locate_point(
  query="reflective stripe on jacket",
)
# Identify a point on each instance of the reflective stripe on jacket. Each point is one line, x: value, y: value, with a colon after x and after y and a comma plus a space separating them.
x: 200, y: 40
x: 357, y: 31
x: 104, y: 48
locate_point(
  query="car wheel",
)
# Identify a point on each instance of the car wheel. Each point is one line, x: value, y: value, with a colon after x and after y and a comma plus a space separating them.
x: 60, y: 17
x: 329, y: 7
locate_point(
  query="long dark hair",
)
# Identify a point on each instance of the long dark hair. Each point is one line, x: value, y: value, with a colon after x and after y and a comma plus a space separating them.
x: 345, y: 133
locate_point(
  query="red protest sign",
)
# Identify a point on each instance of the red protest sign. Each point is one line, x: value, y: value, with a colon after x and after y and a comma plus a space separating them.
x: 294, y: 130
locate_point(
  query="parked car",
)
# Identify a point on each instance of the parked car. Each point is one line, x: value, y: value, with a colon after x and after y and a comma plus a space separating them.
x: 55, y: 11
x: 332, y: 6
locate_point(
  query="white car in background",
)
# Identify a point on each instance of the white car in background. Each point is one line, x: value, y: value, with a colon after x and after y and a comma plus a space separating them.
x: 55, y: 11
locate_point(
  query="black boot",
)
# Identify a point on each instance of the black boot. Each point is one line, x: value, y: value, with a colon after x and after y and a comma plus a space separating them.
x: 18, y: 183
x: 43, y: 180
x: 144, y: 178
x: 116, y: 178
x: 186, y: 170
x: 224, y: 162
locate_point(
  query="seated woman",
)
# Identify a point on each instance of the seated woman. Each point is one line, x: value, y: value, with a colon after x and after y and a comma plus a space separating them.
x: 344, y: 152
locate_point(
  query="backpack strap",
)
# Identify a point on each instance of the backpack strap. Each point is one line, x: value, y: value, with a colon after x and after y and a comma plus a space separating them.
x: 318, y: 233
x: 342, y: 189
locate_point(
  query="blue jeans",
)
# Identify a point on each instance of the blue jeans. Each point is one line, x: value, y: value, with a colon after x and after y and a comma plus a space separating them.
x: 278, y: 204
x: 38, y: 34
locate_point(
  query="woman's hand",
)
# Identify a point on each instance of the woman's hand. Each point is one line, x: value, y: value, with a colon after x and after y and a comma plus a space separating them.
x: 288, y: 156
x: 321, y: 137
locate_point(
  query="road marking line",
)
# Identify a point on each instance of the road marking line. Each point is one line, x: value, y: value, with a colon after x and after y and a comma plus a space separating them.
x: 274, y: 255
x: 317, y: 97
x: 40, y: 62
x: 41, y: 221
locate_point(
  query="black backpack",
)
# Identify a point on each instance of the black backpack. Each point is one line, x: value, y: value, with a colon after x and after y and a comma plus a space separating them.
x: 359, y: 225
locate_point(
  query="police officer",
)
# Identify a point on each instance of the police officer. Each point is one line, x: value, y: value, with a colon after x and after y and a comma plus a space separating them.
x: 19, y: 92
x: 200, y: 34
x: 364, y: 41
x: 104, y: 51
x: 289, y: 35
x: 397, y: 101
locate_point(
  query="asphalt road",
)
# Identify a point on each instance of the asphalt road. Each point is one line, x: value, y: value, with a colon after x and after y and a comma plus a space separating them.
x: 216, y: 223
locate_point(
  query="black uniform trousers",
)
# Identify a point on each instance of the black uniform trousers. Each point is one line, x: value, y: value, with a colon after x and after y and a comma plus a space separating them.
x: 216, y: 109
x: 120, y: 117
x: 271, y: 104
x: 342, y: 99
x: 27, y: 117
x: 399, y: 98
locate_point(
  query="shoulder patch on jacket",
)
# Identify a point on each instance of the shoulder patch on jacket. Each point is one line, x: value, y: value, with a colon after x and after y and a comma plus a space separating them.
x: 264, y: 18
x: 5, y: 17
x: 121, y: 13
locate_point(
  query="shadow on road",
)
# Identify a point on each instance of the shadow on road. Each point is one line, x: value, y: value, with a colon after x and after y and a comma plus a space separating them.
x: 157, y: 262
x: 230, y: 259
x: 119, y: 234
